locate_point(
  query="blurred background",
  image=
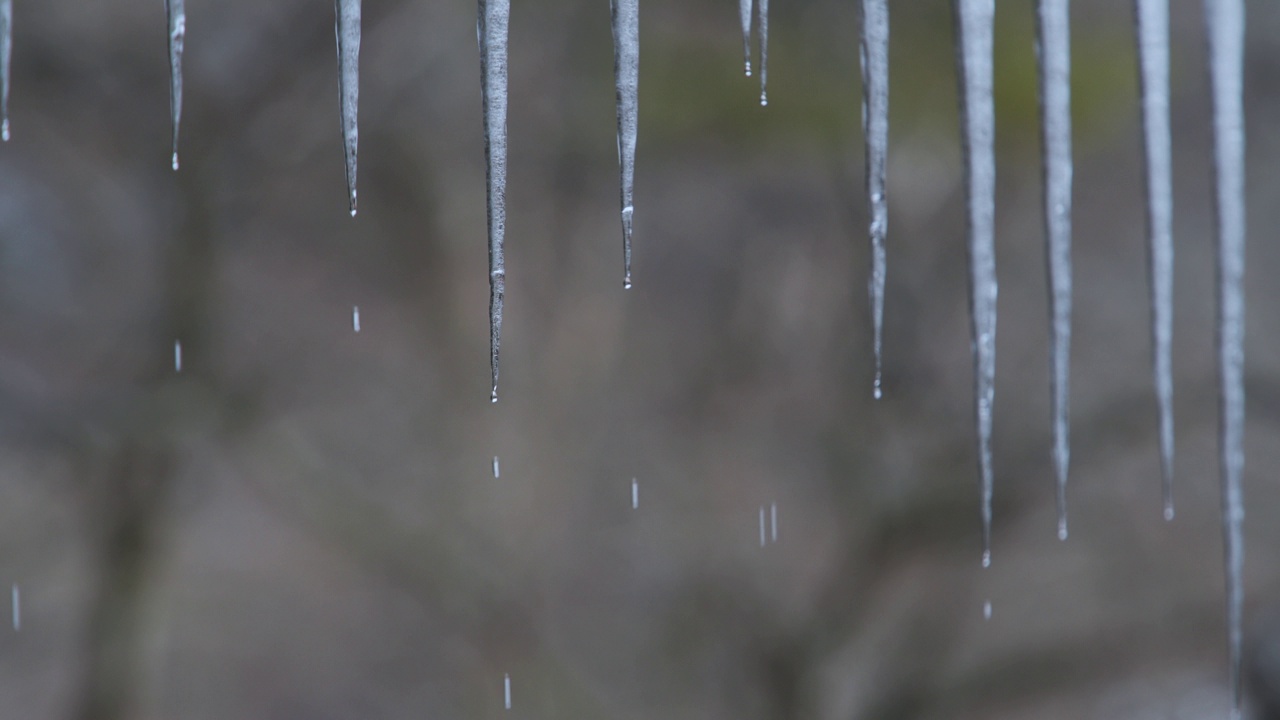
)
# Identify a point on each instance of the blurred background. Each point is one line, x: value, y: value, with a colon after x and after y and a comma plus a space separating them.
x: 305, y: 522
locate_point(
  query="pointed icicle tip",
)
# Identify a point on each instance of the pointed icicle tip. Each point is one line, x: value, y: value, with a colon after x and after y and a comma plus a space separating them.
x: 493, y: 394
x: 177, y: 13
x: 347, y: 32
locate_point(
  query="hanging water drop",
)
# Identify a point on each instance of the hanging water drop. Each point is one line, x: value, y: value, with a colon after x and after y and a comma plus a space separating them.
x: 1224, y: 24
x: 347, y: 31
x: 744, y: 9
x: 626, y: 71
x: 177, y: 356
x: 493, y: 22
x: 1153, y: 74
x: 1053, y: 50
x: 974, y: 44
x: 875, y: 128
x: 176, y: 10
x: 762, y: 9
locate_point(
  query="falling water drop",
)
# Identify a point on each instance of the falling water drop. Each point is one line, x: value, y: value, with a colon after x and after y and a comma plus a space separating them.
x: 635, y: 494
x: 176, y: 10
x: 773, y: 522
x: 626, y: 71
x: 762, y: 535
x: 974, y: 44
x: 493, y: 21
x: 875, y: 128
x: 355, y: 318
x: 347, y: 31
x: 1153, y: 73
x: 506, y: 690
x: 744, y: 9
x: 1224, y: 24
x: 1053, y: 51
x: 17, y: 608
x: 762, y: 21
x: 177, y: 356
x: 986, y: 610
x: 496, y: 472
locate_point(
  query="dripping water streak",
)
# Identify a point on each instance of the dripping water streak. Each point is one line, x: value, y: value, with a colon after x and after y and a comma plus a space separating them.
x: 626, y: 71
x: 744, y: 9
x: 762, y: 21
x: 1224, y: 22
x: 1053, y: 50
x: 974, y: 21
x: 347, y: 31
x: 176, y: 10
x: 494, y: 19
x: 1153, y: 56
x: 875, y: 127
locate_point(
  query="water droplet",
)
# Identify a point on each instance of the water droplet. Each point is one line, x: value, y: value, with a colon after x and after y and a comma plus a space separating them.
x: 1168, y: 512
x: 635, y: 494
x: 773, y: 522
x: 496, y: 471
x: 506, y: 690
x: 986, y: 558
x: 1062, y: 529
x: 493, y: 394
x: 17, y: 609
x: 355, y: 318
x: 177, y: 356
x: 986, y: 610
x: 762, y: 535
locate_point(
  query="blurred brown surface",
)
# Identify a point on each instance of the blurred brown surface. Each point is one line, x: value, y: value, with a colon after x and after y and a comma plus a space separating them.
x: 304, y: 522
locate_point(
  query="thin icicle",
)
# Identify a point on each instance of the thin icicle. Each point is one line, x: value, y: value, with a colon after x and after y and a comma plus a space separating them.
x: 974, y: 20
x: 626, y: 71
x: 762, y: 8
x: 347, y: 30
x: 1153, y: 75
x: 493, y: 21
x: 6, y: 55
x: 744, y: 9
x: 1224, y: 22
x: 177, y: 12
x: 1053, y: 50
x: 875, y: 129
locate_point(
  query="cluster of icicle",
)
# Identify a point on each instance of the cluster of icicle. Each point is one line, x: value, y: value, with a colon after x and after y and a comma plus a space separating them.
x: 974, y: 27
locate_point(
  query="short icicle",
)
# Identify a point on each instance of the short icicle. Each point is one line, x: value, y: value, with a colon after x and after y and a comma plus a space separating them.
x: 762, y: 21
x: 744, y: 9
x: 875, y: 128
x: 6, y: 55
x: 1153, y: 75
x: 974, y: 21
x: 347, y: 31
x: 626, y: 70
x: 1053, y: 50
x: 1224, y: 23
x: 493, y: 22
x: 177, y: 12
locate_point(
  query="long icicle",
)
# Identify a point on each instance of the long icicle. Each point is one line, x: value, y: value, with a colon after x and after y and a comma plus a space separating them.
x: 762, y: 21
x: 493, y: 22
x: 1224, y: 23
x: 875, y: 128
x: 744, y: 9
x: 626, y: 70
x: 347, y: 31
x: 177, y: 12
x: 6, y: 55
x: 974, y: 20
x: 1053, y: 50
x: 1152, y: 28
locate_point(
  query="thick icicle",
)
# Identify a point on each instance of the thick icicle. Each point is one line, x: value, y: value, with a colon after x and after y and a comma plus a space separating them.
x: 177, y: 12
x: 626, y: 71
x: 1053, y: 50
x: 1153, y: 75
x: 347, y: 30
x: 974, y: 21
x: 762, y: 8
x: 1224, y: 22
x: 494, y: 19
x: 744, y: 9
x: 875, y: 129
x: 6, y: 54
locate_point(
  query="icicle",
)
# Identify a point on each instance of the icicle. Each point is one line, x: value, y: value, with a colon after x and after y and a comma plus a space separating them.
x: 1053, y: 51
x: 506, y: 679
x: 6, y: 55
x: 1224, y: 22
x: 626, y: 70
x: 762, y: 8
x: 176, y: 10
x: 635, y: 494
x: 494, y: 19
x: 974, y: 28
x: 347, y: 30
x: 744, y: 8
x: 875, y: 129
x: 1153, y: 75
x: 355, y: 318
